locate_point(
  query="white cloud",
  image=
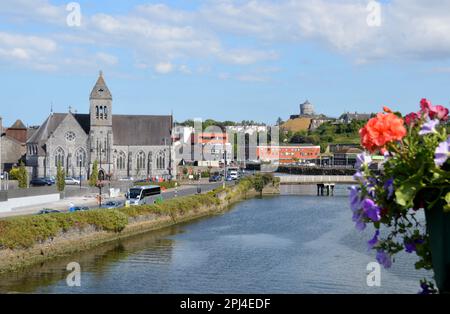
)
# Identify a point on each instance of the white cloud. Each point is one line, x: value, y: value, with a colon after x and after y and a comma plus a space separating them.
x: 237, y: 32
x: 164, y: 67
x: 107, y: 58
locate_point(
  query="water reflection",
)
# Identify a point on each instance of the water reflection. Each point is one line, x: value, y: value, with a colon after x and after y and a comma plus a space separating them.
x: 285, y: 244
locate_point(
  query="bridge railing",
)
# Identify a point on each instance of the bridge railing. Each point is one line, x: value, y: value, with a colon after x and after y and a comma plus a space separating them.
x: 297, y: 179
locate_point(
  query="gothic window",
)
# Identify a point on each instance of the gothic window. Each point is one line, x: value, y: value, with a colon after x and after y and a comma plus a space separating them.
x: 101, y: 112
x: 97, y: 112
x: 130, y: 161
x: 105, y: 112
x: 80, y: 156
x: 161, y: 161
x: 140, y: 160
x: 121, y: 161
x: 59, y: 157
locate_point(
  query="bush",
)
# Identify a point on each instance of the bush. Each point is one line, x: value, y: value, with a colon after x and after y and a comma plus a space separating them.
x: 60, y: 178
x: 22, y: 176
x: 94, y: 175
x: 14, y: 173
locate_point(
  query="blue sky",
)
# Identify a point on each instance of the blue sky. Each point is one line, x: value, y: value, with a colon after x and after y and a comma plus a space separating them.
x: 224, y: 59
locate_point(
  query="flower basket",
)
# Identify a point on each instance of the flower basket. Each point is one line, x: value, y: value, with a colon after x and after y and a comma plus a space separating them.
x: 414, y: 177
x: 438, y: 228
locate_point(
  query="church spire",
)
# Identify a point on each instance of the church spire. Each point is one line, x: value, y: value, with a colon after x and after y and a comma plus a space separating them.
x: 100, y: 90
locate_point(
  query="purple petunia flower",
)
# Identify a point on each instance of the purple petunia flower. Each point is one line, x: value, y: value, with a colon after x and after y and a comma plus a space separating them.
x: 412, y: 246
x: 363, y: 159
x: 442, y: 153
x: 429, y: 127
x: 389, y: 186
x: 371, y: 210
x: 374, y: 240
x: 355, y: 200
x: 384, y: 259
x: 358, y: 176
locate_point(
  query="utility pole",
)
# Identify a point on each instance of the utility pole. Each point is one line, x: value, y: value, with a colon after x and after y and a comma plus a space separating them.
x: 1, y: 165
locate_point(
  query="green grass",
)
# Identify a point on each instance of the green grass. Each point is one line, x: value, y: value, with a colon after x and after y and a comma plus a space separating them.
x: 26, y: 231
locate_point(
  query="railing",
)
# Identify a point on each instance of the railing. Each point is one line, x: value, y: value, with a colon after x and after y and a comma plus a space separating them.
x: 294, y: 179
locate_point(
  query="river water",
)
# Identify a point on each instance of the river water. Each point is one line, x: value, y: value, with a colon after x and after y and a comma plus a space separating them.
x: 281, y: 244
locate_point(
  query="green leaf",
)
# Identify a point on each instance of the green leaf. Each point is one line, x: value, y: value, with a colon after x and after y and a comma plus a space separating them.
x: 447, y: 199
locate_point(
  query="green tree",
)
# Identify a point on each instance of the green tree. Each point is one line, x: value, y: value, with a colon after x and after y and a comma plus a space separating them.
x: 258, y: 183
x: 60, y: 178
x: 94, y: 175
x: 22, y: 176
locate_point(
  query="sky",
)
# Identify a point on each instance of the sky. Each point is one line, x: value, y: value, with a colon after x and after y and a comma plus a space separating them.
x: 223, y: 59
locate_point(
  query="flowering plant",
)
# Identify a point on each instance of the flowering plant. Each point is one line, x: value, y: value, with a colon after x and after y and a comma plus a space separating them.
x: 414, y: 176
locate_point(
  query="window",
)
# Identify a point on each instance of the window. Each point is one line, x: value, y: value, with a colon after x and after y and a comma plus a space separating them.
x: 161, y: 161
x: 97, y: 112
x: 101, y: 112
x: 70, y: 136
x: 140, y: 160
x: 59, y: 157
x: 80, y: 156
x: 121, y: 161
x: 105, y: 112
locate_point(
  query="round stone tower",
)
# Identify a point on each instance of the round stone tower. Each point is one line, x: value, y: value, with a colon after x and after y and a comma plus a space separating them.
x: 306, y: 109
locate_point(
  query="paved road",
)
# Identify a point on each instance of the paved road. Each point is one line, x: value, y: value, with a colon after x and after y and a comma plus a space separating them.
x: 90, y: 201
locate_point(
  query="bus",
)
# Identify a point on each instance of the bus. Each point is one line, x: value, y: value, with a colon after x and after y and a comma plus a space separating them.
x: 140, y: 195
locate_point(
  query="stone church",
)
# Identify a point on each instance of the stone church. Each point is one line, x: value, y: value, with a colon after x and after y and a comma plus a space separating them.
x: 137, y: 146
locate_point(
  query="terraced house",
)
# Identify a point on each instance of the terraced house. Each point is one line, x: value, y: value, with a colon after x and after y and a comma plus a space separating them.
x: 135, y: 146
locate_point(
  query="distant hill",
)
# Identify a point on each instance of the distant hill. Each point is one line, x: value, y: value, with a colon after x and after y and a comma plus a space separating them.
x: 297, y: 125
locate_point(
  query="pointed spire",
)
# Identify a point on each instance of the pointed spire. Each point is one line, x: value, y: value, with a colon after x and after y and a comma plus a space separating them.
x: 100, y: 90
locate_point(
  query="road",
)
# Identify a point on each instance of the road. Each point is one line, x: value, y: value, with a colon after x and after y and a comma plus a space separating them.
x: 90, y: 201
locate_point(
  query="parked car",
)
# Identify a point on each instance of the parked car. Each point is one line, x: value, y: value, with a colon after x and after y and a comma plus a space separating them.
x: 48, y: 211
x: 111, y: 205
x: 40, y: 182
x: 215, y: 178
x: 234, y: 174
x: 229, y: 178
x: 72, y: 181
x: 52, y: 180
x: 78, y: 208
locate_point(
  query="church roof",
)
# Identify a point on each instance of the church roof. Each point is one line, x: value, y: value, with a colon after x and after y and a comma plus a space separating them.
x: 100, y: 90
x: 18, y: 125
x: 128, y: 130
x: 141, y: 130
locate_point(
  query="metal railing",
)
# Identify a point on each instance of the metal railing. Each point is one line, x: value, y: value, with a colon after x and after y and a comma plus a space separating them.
x: 298, y: 179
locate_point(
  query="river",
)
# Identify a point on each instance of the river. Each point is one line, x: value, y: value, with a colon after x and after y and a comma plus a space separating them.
x: 281, y: 244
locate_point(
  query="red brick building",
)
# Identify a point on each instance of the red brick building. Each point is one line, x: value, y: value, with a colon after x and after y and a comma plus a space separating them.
x: 288, y: 154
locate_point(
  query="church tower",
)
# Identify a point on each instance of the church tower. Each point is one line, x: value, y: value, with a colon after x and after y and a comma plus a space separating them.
x: 101, y: 135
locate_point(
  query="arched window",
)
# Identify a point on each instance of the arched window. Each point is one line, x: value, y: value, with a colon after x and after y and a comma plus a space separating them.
x: 101, y: 112
x: 121, y: 161
x: 140, y: 160
x: 105, y: 112
x: 161, y: 161
x: 59, y: 157
x: 97, y: 112
x: 80, y: 156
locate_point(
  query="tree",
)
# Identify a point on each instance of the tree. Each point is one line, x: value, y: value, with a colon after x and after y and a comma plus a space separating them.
x: 258, y: 183
x: 60, y: 178
x: 22, y: 176
x: 94, y: 176
x: 279, y: 121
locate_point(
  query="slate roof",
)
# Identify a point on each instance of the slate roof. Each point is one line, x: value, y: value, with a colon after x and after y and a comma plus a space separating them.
x: 141, y: 130
x: 18, y: 125
x: 128, y: 130
x: 100, y: 90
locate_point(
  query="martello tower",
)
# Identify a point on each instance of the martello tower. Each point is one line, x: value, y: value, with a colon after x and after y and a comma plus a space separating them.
x: 101, y: 135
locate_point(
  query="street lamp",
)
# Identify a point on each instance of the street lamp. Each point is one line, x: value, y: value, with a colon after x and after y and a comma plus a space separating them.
x: 80, y: 162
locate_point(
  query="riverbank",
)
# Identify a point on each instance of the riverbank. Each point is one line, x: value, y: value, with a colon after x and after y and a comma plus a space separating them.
x: 25, y: 241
